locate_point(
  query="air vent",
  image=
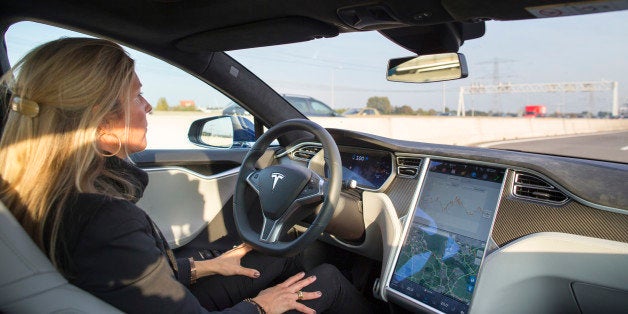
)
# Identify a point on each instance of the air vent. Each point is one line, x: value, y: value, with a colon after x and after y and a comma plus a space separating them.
x: 305, y: 152
x: 532, y: 187
x: 409, y: 161
x: 541, y: 194
x: 408, y: 166
x: 523, y: 178
x: 407, y: 172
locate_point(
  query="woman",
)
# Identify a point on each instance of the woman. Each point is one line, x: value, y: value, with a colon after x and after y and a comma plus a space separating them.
x: 76, y: 113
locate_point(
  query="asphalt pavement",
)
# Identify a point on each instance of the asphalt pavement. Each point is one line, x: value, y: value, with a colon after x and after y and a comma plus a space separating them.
x: 612, y: 146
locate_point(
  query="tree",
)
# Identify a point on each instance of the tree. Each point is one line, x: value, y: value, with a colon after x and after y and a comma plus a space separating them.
x: 380, y: 103
x: 162, y: 104
x: 405, y: 109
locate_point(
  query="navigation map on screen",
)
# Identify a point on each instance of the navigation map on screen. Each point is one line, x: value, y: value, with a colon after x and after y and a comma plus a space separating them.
x: 440, y: 258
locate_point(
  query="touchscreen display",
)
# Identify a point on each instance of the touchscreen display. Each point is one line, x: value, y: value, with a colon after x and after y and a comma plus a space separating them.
x: 440, y: 257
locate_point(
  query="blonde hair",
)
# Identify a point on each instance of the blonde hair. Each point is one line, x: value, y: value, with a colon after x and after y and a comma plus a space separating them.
x: 44, y: 160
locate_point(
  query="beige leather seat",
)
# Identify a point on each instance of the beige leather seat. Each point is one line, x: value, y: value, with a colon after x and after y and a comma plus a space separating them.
x: 28, y: 281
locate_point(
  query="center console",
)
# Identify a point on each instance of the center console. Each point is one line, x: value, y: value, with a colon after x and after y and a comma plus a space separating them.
x: 445, y: 237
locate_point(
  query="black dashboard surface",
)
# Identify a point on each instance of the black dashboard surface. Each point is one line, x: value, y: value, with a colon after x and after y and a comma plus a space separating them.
x: 598, y: 182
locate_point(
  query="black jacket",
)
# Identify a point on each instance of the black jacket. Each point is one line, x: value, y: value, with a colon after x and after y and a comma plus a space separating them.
x: 119, y: 255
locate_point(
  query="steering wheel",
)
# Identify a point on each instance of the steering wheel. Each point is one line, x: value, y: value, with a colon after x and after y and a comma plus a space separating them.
x: 284, y: 190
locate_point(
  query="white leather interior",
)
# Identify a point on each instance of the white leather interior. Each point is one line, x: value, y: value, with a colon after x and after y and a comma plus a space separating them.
x: 554, y: 273
x: 182, y: 203
x: 379, y: 211
x: 383, y: 230
x: 28, y: 281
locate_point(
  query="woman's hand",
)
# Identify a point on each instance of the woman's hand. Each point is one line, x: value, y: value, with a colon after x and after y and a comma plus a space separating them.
x: 227, y: 264
x: 285, y: 296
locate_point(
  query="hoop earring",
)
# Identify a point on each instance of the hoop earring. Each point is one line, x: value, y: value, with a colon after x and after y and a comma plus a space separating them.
x: 119, y: 145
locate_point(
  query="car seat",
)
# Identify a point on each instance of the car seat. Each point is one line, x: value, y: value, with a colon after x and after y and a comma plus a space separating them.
x: 28, y: 281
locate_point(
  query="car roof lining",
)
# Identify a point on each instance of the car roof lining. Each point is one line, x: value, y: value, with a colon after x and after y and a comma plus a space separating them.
x: 199, y: 25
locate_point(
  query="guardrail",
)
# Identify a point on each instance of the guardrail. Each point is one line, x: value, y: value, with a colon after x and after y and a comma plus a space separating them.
x: 471, y: 130
x: 169, y: 129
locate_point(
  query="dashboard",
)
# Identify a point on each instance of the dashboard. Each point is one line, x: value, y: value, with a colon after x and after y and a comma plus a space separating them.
x: 444, y: 220
x: 446, y: 229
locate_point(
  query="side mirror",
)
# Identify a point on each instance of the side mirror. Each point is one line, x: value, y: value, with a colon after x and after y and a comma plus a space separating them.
x: 428, y: 68
x: 222, y: 132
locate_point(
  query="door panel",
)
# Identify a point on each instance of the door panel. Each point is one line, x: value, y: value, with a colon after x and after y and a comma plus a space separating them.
x: 206, y: 162
x: 187, y: 189
x: 182, y: 202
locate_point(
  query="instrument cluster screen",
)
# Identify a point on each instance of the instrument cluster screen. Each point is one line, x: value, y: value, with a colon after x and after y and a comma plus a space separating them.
x: 439, y: 260
x: 370, y: 169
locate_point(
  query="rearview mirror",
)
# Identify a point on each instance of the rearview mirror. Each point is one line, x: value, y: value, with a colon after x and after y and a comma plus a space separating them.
x: 427, y: 68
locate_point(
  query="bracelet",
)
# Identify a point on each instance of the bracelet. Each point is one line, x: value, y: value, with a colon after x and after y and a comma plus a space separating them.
x: 260, y: 309
x: 192, y: 271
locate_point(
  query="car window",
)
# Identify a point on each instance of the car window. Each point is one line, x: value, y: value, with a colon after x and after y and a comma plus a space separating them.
x: 300, y: 104
x: 320, y: 108
x: 177, y: 97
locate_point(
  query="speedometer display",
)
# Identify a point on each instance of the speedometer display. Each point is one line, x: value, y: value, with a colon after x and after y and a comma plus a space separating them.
x: 370, y: 169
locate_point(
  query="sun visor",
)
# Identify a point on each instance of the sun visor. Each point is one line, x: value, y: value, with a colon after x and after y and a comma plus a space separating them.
x: 438, y: 38
x: 258, y: 34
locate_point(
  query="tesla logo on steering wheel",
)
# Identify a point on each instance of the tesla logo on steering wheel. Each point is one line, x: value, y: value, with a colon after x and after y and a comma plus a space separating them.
x: 276, y: 177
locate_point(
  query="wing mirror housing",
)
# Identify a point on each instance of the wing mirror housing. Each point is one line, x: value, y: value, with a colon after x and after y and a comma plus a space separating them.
x: 428, y: 68
x: 222, y: 132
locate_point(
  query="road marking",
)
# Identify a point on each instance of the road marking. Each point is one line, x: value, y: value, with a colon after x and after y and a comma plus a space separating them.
x: 624, y: 148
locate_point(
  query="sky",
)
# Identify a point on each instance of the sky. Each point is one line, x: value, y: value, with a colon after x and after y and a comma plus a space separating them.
x: 345, y: 71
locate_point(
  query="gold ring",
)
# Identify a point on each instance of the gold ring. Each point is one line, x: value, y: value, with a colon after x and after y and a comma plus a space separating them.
x: 299, y: 295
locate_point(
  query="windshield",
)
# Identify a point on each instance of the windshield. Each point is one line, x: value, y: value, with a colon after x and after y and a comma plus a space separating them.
x: 530, y: 83
x: 553, y: 86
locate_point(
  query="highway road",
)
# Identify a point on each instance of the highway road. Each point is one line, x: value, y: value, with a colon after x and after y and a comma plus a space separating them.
x: 606, y: 146
x: 168, y: 130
